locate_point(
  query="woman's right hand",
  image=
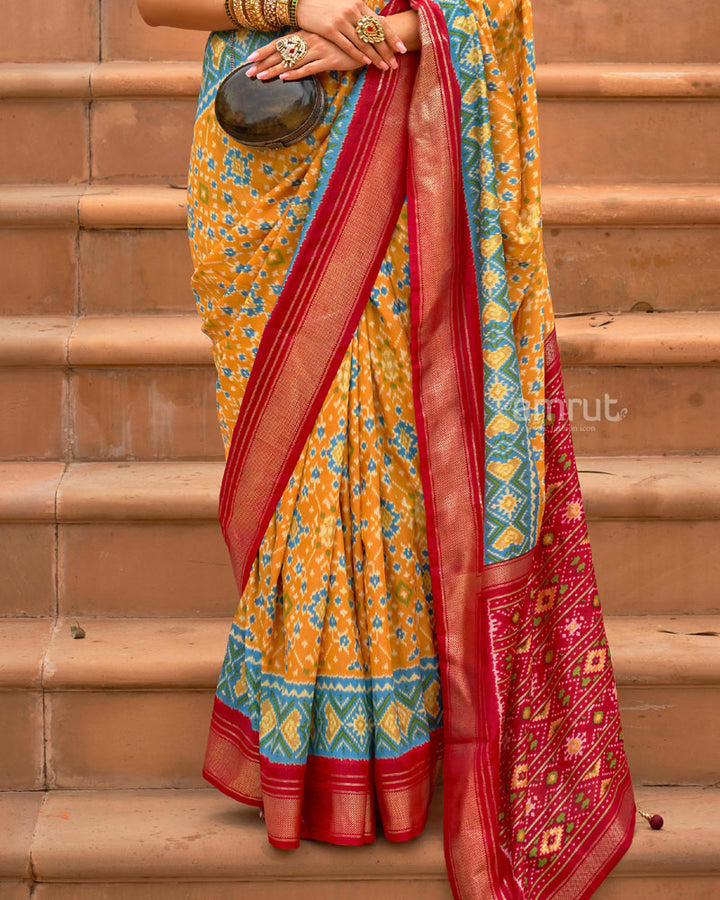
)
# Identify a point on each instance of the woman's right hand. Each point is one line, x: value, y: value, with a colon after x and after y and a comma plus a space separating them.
x: 322, y: 56
x: 335, y: 20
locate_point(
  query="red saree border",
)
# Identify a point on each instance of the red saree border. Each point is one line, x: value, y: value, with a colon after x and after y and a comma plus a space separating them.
x: 324, y: 798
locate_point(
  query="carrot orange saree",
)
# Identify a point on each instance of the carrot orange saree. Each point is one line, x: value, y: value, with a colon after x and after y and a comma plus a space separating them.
x: 400, y: 497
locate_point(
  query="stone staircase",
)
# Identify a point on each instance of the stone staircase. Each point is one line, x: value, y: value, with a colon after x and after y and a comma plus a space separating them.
x: 110, y: 456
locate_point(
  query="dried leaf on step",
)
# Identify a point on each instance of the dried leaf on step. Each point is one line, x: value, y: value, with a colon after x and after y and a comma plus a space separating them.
x: 77, y: 631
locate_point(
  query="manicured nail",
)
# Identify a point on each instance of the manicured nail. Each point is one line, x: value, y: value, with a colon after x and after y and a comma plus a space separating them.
x: 366, y: 60
x: 284, y: 76
x: 401, y: 47
x: 384, y: 66
x: 251, y: 71
x: 263, y: 75
x: 252, y: 57
x: 394, y: 63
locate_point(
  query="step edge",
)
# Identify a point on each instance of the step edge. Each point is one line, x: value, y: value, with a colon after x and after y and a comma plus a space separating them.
x: 156, y: 79
x: 695, y: 855
x: 155, y: 206
x: 671, y: 339
x: 678, y: 488
x: 645, y: 655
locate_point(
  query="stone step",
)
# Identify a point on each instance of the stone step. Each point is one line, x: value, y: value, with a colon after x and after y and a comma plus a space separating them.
x: 132, y: 122
x: 129, y: 705
x: 143, y: 387
x: 201, y: 845
x: 119, y: 250
x: 142, y: 539
x: 616, y: 30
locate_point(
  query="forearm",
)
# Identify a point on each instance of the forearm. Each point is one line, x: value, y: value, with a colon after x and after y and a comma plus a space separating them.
x: 201, y: 15
x: 210, y: 15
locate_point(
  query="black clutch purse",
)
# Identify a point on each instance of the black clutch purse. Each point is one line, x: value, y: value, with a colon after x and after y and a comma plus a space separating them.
x: 269, y: 113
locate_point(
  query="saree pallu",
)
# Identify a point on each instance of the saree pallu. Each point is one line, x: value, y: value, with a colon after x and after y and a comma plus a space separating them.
x: 400, y: 497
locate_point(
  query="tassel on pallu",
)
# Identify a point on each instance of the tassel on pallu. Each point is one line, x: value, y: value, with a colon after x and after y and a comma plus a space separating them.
x: 538, y: 799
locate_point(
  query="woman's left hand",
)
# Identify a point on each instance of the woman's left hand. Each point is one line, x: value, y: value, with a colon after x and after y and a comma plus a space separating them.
x: 322, y: 56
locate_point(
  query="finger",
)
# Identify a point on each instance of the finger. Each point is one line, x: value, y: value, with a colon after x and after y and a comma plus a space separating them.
x: 314, y: 67
x: 379, y: 53
x: 348, y: 38
x: 349, y: 46
x: 279, y: 68
x: 262, y: 52
x: 268, y: 63
x: 391, y: 38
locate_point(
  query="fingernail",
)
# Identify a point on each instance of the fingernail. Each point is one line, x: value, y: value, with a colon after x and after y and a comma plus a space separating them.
x: 366, y: 60
x: 252, y: 57
x: 284, y: 76
x: 384, y: 66
x: 401, y: 47
x: 263, y: 75
x: 394, y: 63
x: 251, y: 71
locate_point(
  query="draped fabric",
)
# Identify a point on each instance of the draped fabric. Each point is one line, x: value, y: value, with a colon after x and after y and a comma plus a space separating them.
x: 400, y: 498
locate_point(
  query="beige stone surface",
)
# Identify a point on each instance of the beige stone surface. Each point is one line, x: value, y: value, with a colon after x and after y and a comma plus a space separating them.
x: 28, y: 566
x: 155, y: 491
x: 596, y: 141
x: 142, y: 140
x: 126, y: 36
x: 625, y: 30
x: 42, y: 280
x: 18, y: 815
x: 138, y: 271
x: 145, y: 569
x: 26, y: 158
x: 139, y: 340
x: 28, y: 489
x: 63, y: 31
x: 15, y: 890
x: 145, y: 413
x: 118, y: 740
x: 628, y: 204
x: 199, y: 835
x: 39, y: 205
x: 656, y: 567
x: 21, y: 747
x: 32, y: 409
x: 34, y: 341
x: 141, y: 654
x: 132, y: 206
x: 661, y: 487
x: 669, y: 410
x: 436, y: 888
x: 23, y: 643
x: 640, y: 338
x: 605, y: 268
x: 659, y: 723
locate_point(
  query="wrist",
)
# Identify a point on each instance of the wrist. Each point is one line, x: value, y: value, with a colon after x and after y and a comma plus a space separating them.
x: 405, y: 25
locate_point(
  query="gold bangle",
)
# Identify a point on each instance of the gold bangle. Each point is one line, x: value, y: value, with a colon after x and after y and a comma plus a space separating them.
x: 282, y: 12
x: 239, y: 14
x: 254, y: 13
x: 230, y: 14
x: 292, y: 13
x: 270, y: 11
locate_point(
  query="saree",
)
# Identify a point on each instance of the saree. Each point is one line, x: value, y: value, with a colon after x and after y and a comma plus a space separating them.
x: 400, y: 497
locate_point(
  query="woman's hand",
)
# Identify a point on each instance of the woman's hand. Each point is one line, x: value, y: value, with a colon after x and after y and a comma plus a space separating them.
x: 335, y: 20
x: 322, y: 56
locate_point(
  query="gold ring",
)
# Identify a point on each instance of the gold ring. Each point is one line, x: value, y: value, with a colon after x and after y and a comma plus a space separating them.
x: 370, y: 30
x: 292, y: 50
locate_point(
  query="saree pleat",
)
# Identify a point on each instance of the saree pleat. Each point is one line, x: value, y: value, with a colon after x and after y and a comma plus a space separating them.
x: 400, y: 498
